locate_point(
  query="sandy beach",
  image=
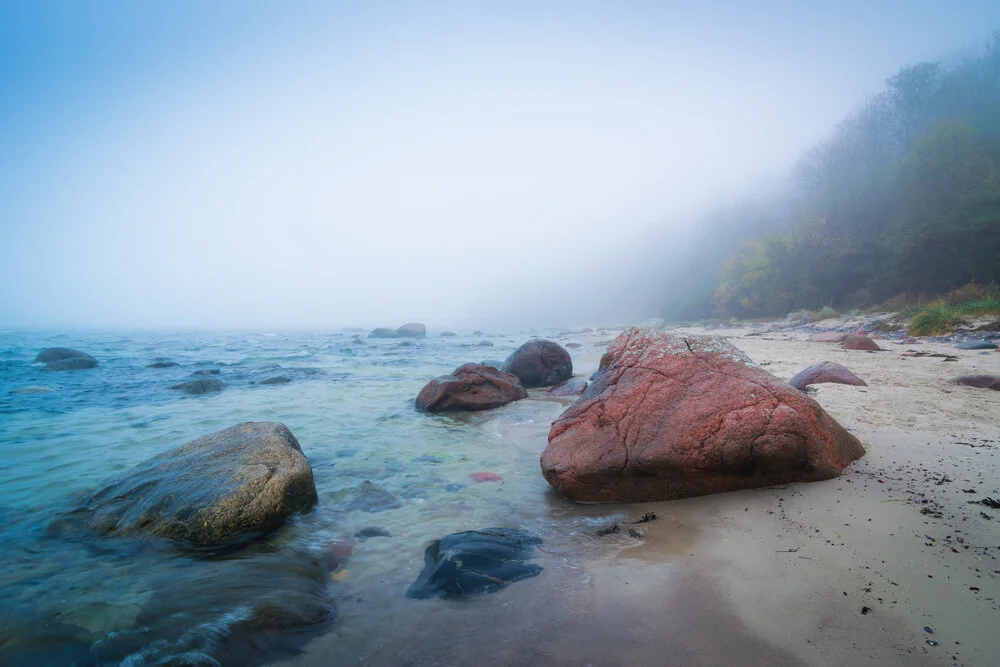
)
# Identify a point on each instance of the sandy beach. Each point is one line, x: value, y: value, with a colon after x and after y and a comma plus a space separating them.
x: 853, y: 570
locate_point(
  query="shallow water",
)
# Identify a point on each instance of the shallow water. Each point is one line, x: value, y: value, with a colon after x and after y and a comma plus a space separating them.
x: 77, y: 599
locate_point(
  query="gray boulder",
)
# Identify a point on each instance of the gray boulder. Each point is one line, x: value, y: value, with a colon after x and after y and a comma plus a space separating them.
x: 539, y: 363
x: 278, y: 379
x: 383, y: 332
x: 448, y: 333
x: 163, y: 364
x: 221, y: 489
x: 198, y: 387
x: 825, y: 371
x: 412, y: 330
x: 65, y: 359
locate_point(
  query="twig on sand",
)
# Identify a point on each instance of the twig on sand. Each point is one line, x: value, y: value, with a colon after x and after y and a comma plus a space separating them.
x: 787, y: 551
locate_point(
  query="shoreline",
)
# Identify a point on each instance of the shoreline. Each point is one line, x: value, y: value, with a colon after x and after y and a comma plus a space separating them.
x: 771, y: 576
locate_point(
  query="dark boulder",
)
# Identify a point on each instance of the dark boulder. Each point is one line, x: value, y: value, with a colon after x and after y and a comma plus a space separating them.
x: 207, y: 371
x: 670, y: 417
x: 470, y: 387
x: 221, y: 489
x: 163, y: 364
x: 65, y: 359
x: 370, y: 532
x: 412, y: 330
x: 475, y: 562
x: 856, y: 342
x: 978, y: 381
x: 539, y: 363
x: 571, y: 387
x: 825, y: 371
x: 198, y: 387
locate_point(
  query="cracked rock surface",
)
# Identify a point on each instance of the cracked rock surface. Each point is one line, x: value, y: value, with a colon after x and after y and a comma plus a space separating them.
x: 676, y: 416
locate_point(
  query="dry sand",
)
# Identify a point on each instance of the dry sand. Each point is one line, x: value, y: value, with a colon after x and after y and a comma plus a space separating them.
x: 776, y: 576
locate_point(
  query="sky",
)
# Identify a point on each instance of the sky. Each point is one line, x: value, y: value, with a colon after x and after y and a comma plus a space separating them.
x: 235, y: 164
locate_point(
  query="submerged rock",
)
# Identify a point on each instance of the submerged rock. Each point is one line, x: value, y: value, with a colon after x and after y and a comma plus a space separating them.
x: 163, y: 364
x: 825, y: 371
x: 412, y: 330
x: 470, y: 387
x: 65, y: 359
x: 227, y: 487
x: 367, y: 497
x: 539, y: 363
x: 207, y: 371
x: 475, y: 562
x: 278, y: 379
x: 197, y: 387
x: 978, y: 381
x: 571, y: 387
x: 370, y: 532
x: 859, y: 342
x: 670, y: 417
x: 447, y: 333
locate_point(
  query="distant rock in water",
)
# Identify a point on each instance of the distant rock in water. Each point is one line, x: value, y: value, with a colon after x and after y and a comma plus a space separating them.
x: 978, y: 381
x: 825, y: 371
x: 976, y: 345
x: 65, y: 359
x: 539, y: 363
x: 163, y: 364
x: 484, y: 343
x: 221, y: 489
x: 573, y: 345
x: 383, y: 332
x: 412, y: 330
x: 571, y: 387
x: 197, y: 387
x: 207, y: 371
x: 475, y: 562
x: 448, y: 333
x: 470, y: 387
x: 491, y: 362
x: 278, y: 379
x: 670, y: 417
x: 857, y: 342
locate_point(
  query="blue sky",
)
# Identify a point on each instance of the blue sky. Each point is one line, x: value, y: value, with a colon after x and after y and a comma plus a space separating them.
x: 231, y: 164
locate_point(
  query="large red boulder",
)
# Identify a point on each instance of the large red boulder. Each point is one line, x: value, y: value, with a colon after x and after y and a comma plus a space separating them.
x: 670, y: 417
x: 856, y: 342
x: 540, y: 363
x: 470, y: 387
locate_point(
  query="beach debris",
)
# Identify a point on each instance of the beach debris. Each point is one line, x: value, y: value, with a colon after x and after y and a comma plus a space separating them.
x: 632, y: 532
x: 932, y: 642
x: 647, y: 517
x: 608, y: 530
x: 470, y: 387
x: 825, y: 372
x: 475, y: 562
x: 484, y: 476
x: 978, y: 381
x: 943, y: 357
x: 705, y: 417
x: 865, y: 611
x: 989, y: 502
x: 928, y: 629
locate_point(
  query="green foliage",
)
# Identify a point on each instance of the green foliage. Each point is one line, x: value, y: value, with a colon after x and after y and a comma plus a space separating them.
x: 903, y: 198
x: 950, y: 311
x: 934, y: 320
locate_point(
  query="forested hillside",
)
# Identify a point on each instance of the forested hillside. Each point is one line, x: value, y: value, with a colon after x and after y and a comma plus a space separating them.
x: 902, y: 198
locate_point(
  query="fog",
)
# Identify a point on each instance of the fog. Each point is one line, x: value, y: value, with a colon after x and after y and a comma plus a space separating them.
x: 302, y: 165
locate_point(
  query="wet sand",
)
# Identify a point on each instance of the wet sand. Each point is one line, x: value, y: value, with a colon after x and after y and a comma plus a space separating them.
x: 776, y: 576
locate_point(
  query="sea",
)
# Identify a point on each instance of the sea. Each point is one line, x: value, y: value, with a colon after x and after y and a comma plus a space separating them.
x: 381, y: 468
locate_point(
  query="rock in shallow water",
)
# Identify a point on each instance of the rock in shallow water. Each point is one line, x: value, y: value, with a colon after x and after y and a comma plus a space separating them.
x: 470, y: 387
x: 197, y: 387
x: 539, y: 363
x: 825, y: 371
x: 475, y: 562
x: 163, y: 364
x: 221, y: 489
x: 669, y: 417
x: 65, y: 359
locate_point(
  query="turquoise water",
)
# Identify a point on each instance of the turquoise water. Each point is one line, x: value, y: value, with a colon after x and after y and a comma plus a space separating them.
x: 77, y: 599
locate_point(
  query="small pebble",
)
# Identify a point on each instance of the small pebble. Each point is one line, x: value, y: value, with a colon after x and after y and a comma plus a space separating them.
x: 932, y: 642
x: 928, y: 629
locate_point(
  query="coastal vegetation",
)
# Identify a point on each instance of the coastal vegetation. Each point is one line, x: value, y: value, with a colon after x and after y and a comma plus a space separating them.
x: 902, y: 200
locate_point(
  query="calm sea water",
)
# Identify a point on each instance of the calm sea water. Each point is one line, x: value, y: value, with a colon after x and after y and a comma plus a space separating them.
x: 77, y: 599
